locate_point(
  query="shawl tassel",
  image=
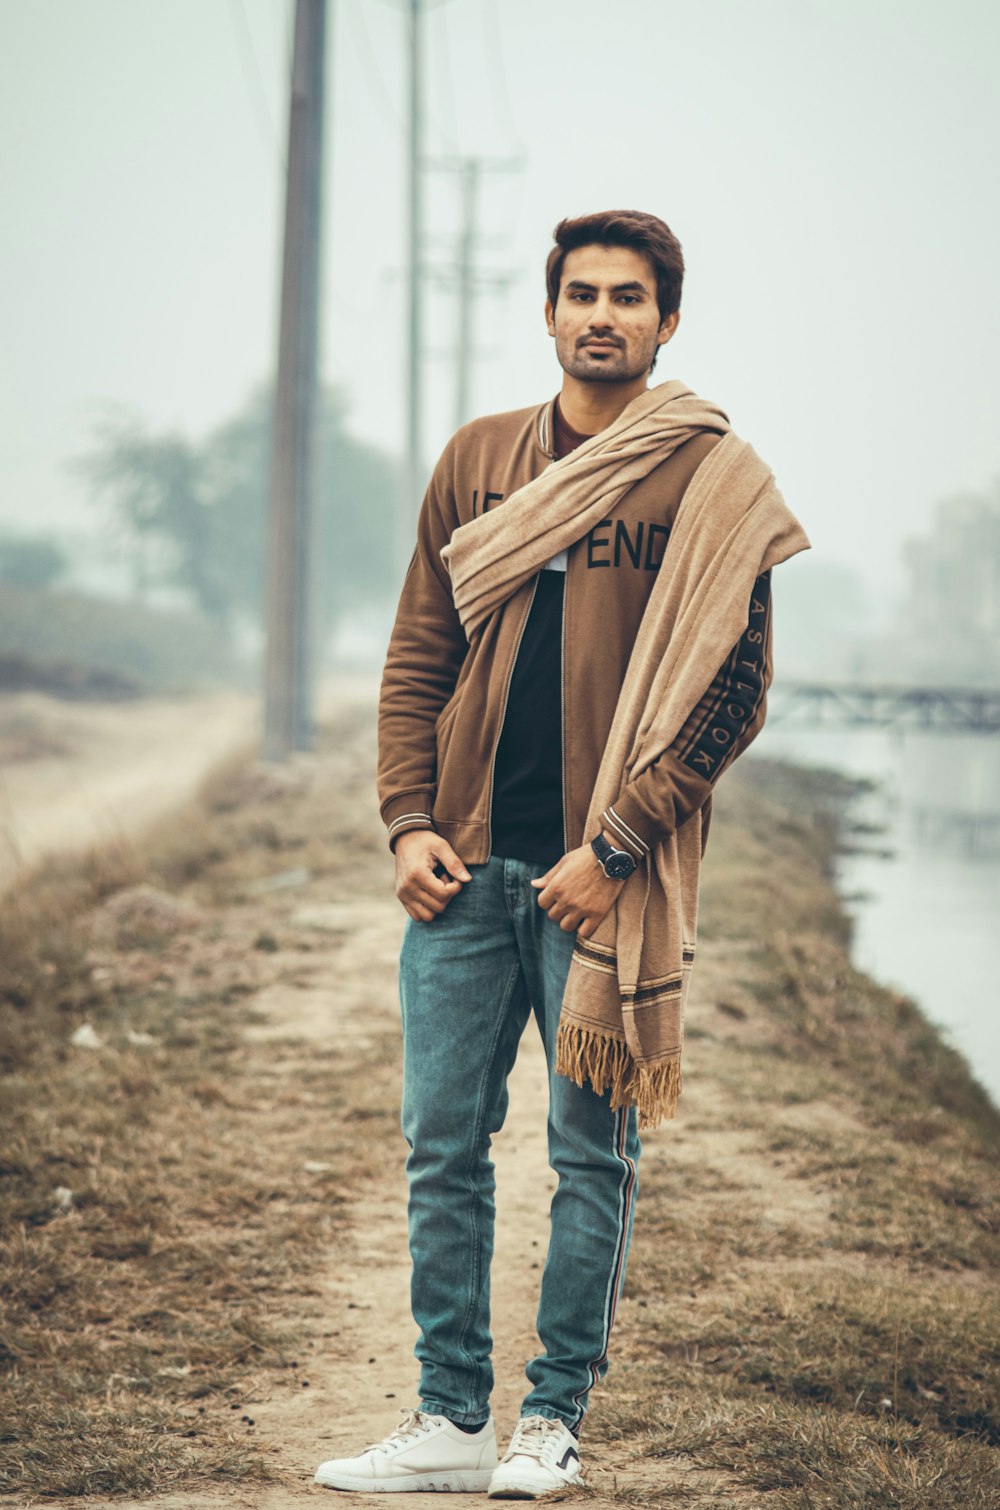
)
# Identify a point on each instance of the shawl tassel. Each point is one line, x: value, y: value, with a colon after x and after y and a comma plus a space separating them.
x: 605, y: 1061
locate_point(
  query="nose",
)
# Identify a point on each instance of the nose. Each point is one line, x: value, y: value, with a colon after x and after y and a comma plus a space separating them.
x: 602, y: 314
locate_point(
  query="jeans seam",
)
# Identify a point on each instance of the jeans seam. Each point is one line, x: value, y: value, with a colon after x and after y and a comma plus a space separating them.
x: 626, y: 1205
x: 475, y: 1230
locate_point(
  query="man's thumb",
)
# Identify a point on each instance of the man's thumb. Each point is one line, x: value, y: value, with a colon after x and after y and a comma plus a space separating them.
x: 452, y: 864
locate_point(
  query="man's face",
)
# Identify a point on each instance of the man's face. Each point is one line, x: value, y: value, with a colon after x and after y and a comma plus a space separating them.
x: 606, y: 320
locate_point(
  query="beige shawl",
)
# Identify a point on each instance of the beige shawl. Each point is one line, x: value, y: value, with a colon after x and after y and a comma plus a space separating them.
x: 623, y: 1010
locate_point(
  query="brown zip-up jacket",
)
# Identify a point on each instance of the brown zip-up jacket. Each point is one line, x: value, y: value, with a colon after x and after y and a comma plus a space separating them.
x: 442, y: 700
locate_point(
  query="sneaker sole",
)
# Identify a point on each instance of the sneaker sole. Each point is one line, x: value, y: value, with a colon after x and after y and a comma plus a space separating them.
x: 470, y: 1481
x: 525, y: 1491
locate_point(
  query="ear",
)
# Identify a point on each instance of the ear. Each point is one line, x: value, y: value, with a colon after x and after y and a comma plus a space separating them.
x: 668, y: 327
x: 550, y: 318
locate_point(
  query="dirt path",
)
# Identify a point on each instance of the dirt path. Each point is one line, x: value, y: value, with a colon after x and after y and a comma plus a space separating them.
x: 369, y: 1293
x: 126, y: 764
x: 364, y: 1372
x: 358, y: 1350
x: 358, y: 1354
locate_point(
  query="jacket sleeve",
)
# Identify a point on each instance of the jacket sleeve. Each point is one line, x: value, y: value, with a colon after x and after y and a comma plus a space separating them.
x: 728, y: 717
x: 426, y: 650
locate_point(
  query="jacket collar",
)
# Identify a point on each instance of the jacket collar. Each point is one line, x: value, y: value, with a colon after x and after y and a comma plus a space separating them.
x: 545, y: 428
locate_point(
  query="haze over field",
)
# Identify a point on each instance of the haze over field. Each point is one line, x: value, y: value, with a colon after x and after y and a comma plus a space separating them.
x: 199, y: 938
x: 825, y: 166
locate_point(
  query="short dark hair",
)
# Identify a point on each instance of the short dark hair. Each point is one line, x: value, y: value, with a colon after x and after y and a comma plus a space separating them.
x: 645, y: 233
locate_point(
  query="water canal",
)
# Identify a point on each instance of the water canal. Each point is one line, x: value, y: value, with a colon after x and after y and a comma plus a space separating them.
x: 924, y: 890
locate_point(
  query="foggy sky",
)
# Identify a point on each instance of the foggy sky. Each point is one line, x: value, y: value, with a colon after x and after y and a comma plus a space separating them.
x: 830, y: 169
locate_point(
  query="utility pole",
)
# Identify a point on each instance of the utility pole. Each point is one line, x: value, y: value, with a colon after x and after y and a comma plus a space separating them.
x: 467, y: 281
x: 412, y: 472
x: 288, y: 711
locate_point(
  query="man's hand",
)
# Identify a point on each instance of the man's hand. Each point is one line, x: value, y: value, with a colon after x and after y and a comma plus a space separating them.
x: 421, y: 892
x: 576, y: 893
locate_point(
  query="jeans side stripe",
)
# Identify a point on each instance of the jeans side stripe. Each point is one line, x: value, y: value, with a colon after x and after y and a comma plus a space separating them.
x: 626, y: 1197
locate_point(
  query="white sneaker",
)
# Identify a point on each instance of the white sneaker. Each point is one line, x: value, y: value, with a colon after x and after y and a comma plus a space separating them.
x: 543, y: 1456
x: 424, y: 1452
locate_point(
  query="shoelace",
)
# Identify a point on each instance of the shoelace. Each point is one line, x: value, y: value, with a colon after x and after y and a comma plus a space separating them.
x: 411, y: 1424
x: 530, y: 1436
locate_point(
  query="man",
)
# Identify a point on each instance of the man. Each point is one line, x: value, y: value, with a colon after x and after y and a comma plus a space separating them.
x: 583, y: 644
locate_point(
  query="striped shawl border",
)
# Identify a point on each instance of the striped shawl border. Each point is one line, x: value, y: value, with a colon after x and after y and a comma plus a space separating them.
x: 591, y: 958
x: 649, y: 995
x: 599, y: 957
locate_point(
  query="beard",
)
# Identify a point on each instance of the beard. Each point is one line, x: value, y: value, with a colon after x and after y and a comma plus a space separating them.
x: 610, y: 365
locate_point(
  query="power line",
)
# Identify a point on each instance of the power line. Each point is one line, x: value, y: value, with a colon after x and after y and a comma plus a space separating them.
x: 367, y: 51
x: 413, y: 468
x: 255, y: 78
x: 495, y: 55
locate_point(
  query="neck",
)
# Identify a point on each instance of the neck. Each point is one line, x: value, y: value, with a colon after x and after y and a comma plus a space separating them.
x: 592, y: 407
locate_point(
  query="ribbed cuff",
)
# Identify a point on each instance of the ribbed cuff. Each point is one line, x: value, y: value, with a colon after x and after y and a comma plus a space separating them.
x: 617, y: 823
x: 410, y: 810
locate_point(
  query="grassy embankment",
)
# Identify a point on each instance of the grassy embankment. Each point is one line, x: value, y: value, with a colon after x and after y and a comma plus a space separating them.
x: 812, y: 1314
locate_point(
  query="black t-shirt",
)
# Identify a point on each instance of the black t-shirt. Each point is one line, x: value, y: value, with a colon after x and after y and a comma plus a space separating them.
x: 527, y: 815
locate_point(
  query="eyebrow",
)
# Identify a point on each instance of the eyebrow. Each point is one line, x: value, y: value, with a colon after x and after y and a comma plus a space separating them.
x: 619, y: 288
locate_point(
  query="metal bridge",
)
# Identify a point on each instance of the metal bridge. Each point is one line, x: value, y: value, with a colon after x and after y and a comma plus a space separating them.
x: 857, y: 705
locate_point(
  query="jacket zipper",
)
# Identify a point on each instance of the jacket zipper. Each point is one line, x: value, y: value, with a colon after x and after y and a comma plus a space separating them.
x: 503, y: 714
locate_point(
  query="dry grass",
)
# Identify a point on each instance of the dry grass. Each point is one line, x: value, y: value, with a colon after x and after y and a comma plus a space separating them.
x: 811, y: 1314
x: 31, y: 728
x: 158, y: 1251
x: 795, y: 1457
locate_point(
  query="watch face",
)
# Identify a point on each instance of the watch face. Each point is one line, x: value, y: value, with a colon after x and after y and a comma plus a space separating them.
x: 619, y: 865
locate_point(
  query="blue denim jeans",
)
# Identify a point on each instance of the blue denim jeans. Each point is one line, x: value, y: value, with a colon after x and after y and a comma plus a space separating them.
x: 468, y: 982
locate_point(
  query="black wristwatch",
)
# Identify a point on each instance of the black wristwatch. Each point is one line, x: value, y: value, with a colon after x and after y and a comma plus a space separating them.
x: 617, y: 864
